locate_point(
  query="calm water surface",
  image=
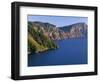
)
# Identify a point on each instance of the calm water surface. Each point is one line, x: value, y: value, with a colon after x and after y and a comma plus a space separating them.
x: 70, y: 52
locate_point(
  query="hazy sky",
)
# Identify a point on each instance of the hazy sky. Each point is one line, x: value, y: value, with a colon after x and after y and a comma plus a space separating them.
x: 58, y: 20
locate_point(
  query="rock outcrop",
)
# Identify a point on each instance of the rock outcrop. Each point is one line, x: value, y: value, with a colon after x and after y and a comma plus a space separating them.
x: 41, y: 35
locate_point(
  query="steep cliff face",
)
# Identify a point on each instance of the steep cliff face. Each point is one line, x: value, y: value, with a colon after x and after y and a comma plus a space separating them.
x: 49, y: 30
x: 41, y: 35
x: 78, y: 30
x: 37, y: 40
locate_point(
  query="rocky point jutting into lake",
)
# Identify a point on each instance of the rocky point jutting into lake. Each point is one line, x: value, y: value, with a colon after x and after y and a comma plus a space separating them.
x: 41, y: 35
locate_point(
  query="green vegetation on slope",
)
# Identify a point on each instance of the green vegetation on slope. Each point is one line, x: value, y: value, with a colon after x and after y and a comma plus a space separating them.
x: 34, y: 46
x: 41, y: 35
x: 37, y: 41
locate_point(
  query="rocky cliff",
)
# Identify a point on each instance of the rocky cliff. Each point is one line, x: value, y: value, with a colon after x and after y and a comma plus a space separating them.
x: 41, y: 35
x: 37, y: 40
x: 78, y: 30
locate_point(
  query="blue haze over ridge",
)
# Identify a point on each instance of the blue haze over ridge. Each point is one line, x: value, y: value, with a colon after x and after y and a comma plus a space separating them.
x: 58, y: 20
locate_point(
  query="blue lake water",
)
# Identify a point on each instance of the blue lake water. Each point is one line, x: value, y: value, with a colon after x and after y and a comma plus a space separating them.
x: 70, y: 52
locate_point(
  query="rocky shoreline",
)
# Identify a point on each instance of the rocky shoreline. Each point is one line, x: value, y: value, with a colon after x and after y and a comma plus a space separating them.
x: 41, y: 35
